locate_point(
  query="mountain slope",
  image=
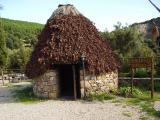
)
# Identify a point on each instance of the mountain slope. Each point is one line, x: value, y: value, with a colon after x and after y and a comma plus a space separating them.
x: 19, y: 32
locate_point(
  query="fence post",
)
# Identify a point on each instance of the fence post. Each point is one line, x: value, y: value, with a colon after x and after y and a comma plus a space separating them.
x: 132, y: 76
x: 2, y: 77
x: 152, y: 79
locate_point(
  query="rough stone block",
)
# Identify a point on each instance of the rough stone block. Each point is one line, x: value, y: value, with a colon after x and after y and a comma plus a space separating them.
x: 45, y: 95
x: 53, y: 95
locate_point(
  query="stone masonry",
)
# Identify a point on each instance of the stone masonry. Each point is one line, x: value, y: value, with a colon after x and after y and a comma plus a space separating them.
x: 102, y: 83
x: 47, y: 85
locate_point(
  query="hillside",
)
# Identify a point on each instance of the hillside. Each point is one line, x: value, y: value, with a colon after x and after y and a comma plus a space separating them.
x: 19, y: 32
x: 17, y: 39
x: 146, y: 26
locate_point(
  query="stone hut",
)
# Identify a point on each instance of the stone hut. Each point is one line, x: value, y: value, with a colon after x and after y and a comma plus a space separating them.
x: 71, y: 59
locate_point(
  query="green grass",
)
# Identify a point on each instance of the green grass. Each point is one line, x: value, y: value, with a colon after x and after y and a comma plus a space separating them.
x: 100, y: 96
x: 144, y: 101
x: 144, y: 118
x: 25, y: 95
x: 128, y: 114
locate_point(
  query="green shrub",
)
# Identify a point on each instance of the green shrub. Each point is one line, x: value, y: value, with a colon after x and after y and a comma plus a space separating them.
x: 100, y: 96
x: 142, y: 73
x: 25, y: 95
x: 126, y: 92
x: 157, y: 86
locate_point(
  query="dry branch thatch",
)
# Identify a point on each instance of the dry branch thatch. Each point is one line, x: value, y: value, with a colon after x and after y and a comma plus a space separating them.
x: 64, y: 39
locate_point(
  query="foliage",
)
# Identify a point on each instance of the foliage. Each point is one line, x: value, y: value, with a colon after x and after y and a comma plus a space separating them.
x: 100, y: 96
x: 157, y: 86
x: 141, y: 98
x: 18, y: 58
x: 25, y: 95
x: 3, y: 49
x: 17, y: 39
x: 157, y: 67
x: 126, y: 91
x: 20, y: 31
x: 145, y: 102
x: 142, y: 73
x: 127, y: 42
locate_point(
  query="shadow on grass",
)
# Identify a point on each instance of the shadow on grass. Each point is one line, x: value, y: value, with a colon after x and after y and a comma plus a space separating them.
x: 25, y: 94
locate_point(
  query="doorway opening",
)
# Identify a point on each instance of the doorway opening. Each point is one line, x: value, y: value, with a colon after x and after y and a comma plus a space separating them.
x: 69, y: 81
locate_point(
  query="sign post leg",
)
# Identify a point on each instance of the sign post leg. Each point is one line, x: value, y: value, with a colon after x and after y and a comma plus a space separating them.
x: 132, y: 76
x: 152, y: 80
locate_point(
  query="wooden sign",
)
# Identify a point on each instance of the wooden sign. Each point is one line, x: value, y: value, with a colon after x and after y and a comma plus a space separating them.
x: 141, y: 62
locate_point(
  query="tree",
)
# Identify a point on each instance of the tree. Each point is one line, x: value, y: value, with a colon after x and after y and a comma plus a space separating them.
x: 18, y: 58
x: 3, y: 49
x: 127, y: 42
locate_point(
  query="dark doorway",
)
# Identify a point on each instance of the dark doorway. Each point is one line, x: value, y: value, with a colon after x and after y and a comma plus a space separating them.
x: 66, y: 81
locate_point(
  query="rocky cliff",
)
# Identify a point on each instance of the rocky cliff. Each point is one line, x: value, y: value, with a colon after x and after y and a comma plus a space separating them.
x: 146, y: 27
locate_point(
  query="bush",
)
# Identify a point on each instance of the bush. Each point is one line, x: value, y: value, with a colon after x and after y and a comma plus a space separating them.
x: 25, y: 94
x: 140, y: 73
x: 157, y: 86
x: 126, y: 92
x: 100, y: 96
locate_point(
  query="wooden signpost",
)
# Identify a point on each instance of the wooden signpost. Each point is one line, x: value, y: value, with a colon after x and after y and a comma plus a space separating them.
x: 142, y: 63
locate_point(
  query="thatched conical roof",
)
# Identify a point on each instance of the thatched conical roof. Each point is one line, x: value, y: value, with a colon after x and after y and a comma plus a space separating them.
x: 66, y: 36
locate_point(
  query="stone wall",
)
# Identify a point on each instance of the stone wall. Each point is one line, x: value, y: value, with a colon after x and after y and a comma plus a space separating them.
x: 102, y: 83
x: 47, y: 85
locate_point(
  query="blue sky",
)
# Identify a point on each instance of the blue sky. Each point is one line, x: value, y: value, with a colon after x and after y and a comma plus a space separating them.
x: 104, y: 13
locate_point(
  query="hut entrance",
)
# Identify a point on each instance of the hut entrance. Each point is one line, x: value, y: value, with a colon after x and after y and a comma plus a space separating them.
x: 69, y: 81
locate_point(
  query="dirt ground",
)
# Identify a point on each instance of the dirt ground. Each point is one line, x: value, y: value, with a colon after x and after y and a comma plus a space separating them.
x: 65, y: 109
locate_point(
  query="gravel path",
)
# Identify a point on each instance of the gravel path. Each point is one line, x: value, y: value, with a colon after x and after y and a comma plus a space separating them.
x: 65, y: 110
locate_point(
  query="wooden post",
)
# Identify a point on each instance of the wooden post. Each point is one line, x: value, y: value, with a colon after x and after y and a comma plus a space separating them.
x: 8, y: 72
x: 152, y: 79
x: 84, y: 79
x: 2, y: 77
x: 74, y: 82
x: 132, y: 76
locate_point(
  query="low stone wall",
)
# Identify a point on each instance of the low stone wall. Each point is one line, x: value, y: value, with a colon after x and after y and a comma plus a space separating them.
x: 47, y: 85
x: 102, y: 83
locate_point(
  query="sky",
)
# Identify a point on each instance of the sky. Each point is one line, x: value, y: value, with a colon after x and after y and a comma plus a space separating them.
x: 103, y: 13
